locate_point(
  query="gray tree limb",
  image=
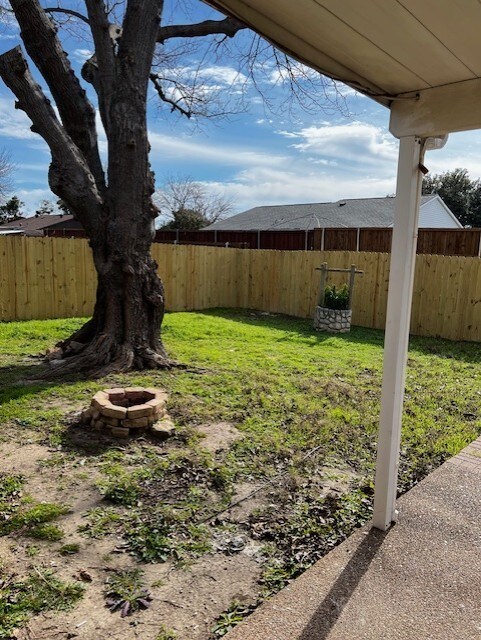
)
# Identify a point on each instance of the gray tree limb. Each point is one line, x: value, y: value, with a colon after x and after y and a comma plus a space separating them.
x: 103, y: 69
x: 70, y: 177
x: 76, y: 111
x: 227, y: 27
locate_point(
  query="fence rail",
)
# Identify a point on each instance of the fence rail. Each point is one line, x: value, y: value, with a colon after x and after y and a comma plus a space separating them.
x: 55, y: 277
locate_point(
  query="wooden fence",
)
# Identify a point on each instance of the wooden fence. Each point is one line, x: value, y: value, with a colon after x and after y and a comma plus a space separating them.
x: 448, y: 242
x: 54, y: 277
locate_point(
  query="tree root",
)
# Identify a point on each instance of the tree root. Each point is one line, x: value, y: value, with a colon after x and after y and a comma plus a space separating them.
x: 101, y: 357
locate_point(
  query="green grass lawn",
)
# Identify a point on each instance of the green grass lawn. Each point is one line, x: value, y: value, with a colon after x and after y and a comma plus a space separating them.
x: 307, y: 404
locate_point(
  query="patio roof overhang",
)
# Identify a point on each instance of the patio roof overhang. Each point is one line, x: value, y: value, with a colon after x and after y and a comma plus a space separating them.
x: 422, y: 60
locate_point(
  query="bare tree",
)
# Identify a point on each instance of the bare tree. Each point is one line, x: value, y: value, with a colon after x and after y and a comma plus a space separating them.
x: 6, y: 171
x: 132, y: 47
x: 187, y: 204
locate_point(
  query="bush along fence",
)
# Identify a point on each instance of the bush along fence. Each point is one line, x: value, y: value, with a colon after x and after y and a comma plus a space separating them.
x: 55, y: 278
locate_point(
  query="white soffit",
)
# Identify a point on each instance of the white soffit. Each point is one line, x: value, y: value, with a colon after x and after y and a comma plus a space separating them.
x: 421, y: 58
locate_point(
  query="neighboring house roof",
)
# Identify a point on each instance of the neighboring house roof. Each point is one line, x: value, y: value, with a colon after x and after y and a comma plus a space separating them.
x: 36, y: 224
x: 10, y: 232
x: 356, y: 212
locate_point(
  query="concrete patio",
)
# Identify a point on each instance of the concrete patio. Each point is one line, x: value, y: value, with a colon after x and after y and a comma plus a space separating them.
x: 420, y: 580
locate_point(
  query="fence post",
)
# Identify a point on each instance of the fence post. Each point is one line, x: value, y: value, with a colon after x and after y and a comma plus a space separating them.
x: 357, y: 239
x: 322, y: 238
x: 352, y: 275
x: 322, y: 292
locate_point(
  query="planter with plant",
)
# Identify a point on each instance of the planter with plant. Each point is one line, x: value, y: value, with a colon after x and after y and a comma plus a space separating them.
x: 334, y: 315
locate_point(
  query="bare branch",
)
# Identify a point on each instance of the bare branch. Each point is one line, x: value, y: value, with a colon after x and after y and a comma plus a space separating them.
x: 69, y: 176
x: 175, y: 106
x: 104, y: 57
x: 228, y: 27
x: 76, y: 112
x: 69, y: 12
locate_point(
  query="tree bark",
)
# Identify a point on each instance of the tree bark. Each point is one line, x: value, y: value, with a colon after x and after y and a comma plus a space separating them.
x: 124, y: 331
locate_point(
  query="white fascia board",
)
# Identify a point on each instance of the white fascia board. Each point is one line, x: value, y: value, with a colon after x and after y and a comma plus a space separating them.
x: 437, y: 111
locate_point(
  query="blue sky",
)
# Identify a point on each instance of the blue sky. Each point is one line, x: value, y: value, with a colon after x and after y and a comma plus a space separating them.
x: 255, y: 157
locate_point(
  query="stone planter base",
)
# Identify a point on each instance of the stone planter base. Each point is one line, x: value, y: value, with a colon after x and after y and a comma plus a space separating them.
x: 332, y: 320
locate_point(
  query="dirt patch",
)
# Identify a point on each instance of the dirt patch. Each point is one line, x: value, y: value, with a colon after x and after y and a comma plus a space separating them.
x: 185, y: 599
x: 248, y: 498
x: 187, y: 602
x: 218, y: 436
x: 21, y: 460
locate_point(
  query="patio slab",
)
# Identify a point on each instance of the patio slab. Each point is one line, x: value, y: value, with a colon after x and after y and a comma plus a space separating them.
x: 419, y: 581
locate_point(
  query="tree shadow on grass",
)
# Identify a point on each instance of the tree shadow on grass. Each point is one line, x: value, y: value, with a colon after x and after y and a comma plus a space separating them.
x: 302, y: 329
x: 299, y: 328
x: 18, y: 382
x: 24, y: 379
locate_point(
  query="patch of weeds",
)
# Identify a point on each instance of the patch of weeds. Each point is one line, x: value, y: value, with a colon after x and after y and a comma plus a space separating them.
x: 32, y: 550
x: 126, y: 591
x: 40, y: 591
x: 17, y: 514
x: 69, y: 549
x: 187, y: 484
x: 166, y: 634
x: 11, y: 495
x: 55, y: 460
x: 231, y: 618
x: 28, y: 520
x: 304, y: 529
x: 158, y: 583
x: 158, y: 535
x: 121, y: 486
x: 49, y: 532
x: 102, y: 521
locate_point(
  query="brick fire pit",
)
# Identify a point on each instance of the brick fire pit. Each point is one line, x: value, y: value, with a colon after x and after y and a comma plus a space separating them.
x: 127, y: 411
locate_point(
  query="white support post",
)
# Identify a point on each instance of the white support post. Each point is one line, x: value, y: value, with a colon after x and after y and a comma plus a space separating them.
x: 403, y: 258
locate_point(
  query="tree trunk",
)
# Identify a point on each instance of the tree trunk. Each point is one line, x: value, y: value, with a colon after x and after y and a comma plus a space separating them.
x: 124, y: 331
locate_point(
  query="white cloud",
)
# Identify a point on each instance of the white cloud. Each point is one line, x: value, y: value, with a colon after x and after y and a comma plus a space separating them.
x: 13, y: 122
x: 33, y: 197
x: 168, y: 147
x: 356, y: 142
x: 27, y: 166
x: 267, y: 186
x: 226, y: 76
x: 324, y: 163
x: 81, y: 55
x: 297, y: 71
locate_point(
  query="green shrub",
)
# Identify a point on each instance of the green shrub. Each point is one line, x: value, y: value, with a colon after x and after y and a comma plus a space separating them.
x: 336, y: 298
